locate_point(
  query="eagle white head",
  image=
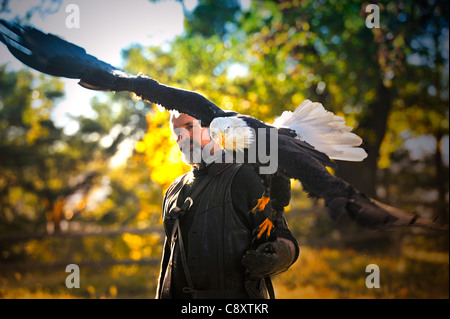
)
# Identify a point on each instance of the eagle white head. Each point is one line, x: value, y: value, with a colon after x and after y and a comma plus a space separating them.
x: 231, y: 133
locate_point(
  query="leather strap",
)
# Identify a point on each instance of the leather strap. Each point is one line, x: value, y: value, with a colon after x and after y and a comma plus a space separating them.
x: 269, y: 287
x: 213, y: 171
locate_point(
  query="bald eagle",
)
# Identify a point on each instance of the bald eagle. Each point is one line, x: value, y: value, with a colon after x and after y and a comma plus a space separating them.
x: 306, y: 140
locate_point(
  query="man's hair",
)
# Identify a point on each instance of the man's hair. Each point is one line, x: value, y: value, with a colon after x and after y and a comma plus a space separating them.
x: 173, y: 114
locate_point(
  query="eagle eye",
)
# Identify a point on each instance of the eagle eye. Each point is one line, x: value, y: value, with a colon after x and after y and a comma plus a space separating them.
x: 227, y: 130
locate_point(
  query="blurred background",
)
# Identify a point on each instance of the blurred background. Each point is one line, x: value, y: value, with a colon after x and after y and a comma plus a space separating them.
x: 82, y: 173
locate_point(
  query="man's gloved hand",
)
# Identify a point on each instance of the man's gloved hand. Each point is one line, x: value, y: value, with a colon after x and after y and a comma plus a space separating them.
x: 269, y: 259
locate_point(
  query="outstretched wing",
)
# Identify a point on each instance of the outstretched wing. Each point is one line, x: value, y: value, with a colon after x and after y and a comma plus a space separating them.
x: 52, y: 55
x: 340, y: 196
x: 372, y: 214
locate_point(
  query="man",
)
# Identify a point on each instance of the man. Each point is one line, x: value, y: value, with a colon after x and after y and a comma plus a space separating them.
x: 208, y: 248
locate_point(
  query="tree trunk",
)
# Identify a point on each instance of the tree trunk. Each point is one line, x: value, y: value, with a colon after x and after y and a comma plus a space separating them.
x: 364, y: 175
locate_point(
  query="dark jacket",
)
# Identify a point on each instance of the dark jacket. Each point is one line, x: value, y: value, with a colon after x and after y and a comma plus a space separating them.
x: 215, y: 236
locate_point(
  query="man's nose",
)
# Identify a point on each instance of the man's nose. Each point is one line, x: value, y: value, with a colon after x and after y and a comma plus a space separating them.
x: 182, y: 135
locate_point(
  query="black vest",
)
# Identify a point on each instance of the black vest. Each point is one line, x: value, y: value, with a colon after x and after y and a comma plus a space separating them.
x: 218, y: 239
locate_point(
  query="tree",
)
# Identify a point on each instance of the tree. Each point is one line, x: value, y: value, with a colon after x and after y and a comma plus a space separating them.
x: 43, y: 8
x: 49, y: 179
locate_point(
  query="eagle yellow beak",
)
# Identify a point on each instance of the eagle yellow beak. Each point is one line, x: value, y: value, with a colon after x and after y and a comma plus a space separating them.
x: 222, y: 140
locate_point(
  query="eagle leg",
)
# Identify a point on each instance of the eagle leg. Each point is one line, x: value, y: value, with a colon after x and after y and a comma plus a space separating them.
x: 267, y: 225
x: 261, y: 205
x: 265, y: 199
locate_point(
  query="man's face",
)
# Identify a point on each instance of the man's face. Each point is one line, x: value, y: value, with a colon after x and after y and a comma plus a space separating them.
x: 191, y: 137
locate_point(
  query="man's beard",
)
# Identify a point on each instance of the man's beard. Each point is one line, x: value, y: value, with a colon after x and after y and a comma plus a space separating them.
x: 191, y: 152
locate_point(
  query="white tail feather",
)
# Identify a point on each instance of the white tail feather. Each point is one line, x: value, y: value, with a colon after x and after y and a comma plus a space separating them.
x: 323, y: 130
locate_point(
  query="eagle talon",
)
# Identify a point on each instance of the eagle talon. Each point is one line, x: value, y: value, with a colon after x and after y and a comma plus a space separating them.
x: 266, y: 225
x: 262, y: 202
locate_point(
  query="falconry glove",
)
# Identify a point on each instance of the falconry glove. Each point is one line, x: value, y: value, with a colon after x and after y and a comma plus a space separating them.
x: 268, y: 259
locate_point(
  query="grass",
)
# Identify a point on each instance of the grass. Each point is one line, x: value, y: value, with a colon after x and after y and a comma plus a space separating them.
x: 319, y: 273
x: 334, y: 273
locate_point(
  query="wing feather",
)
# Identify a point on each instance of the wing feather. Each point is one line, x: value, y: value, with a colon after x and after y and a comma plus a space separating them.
x: 324, y: 130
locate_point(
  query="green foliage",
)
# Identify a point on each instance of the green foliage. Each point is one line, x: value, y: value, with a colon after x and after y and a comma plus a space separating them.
x: 211, y: 18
